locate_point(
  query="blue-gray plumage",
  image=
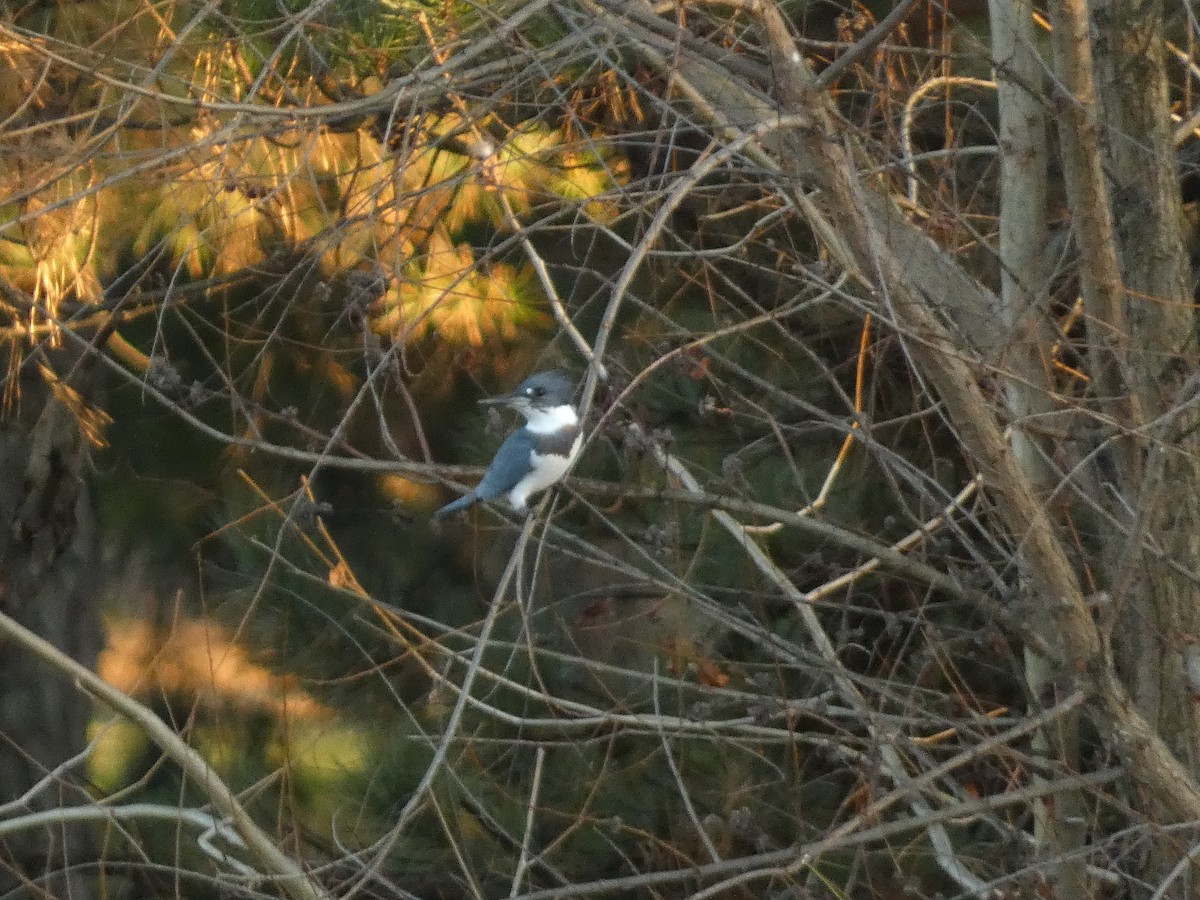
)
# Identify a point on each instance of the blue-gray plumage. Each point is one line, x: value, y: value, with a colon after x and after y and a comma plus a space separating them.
x: 534, y: 456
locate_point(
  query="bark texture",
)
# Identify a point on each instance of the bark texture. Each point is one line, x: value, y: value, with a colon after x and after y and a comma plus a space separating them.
x: 1157, y: 613
x: 48, y: 559
x: 1060, y: 826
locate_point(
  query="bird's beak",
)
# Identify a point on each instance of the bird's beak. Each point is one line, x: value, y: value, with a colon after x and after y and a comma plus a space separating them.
x: 502, y: 400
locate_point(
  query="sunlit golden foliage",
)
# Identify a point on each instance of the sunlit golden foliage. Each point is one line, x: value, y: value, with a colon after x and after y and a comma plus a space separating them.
x: 198, y: 660
x: 447, y: 292
x: 51, y: 254
x: 231, y: 202
x: 163, y: 172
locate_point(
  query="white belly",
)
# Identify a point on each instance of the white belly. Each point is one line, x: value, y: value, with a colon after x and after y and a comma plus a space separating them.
x: 546, y: 470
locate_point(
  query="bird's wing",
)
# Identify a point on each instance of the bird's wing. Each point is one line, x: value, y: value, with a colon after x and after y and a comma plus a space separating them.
x: 509, y: 466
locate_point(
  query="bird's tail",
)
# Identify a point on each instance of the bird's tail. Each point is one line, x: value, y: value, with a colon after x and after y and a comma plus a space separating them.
x: 466, y: 501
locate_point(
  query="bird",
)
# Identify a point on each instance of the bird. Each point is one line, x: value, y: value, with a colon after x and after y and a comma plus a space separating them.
x: 534, y: 456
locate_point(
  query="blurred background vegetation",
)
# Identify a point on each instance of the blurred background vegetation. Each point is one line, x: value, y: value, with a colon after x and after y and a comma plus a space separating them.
x: 268, y: 254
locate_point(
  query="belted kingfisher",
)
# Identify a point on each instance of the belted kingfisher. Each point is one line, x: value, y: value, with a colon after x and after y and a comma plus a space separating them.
x: 536, y: 455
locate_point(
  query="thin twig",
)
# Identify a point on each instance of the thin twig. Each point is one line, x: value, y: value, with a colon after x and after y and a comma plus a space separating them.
x: 539, y: 761
x: 865, y: 44
x: 684, y: 795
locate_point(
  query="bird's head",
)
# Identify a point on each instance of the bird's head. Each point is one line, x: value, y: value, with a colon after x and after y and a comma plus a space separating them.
x: 544, y: 399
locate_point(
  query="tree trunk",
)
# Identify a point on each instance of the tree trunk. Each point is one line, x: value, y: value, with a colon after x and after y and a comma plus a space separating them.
x: 1157, y: 608
x: 1155, y: 587
x: 48, y: 558
x: 1060, y: 821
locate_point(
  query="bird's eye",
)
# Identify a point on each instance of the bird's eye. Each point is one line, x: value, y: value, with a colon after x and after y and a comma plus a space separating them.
x: 539, y: 392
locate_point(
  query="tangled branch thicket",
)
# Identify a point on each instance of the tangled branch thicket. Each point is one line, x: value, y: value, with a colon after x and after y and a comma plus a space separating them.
x: 876, y: 577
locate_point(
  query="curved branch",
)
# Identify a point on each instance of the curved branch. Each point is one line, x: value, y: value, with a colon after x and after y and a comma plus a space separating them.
x: 274, y: 862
